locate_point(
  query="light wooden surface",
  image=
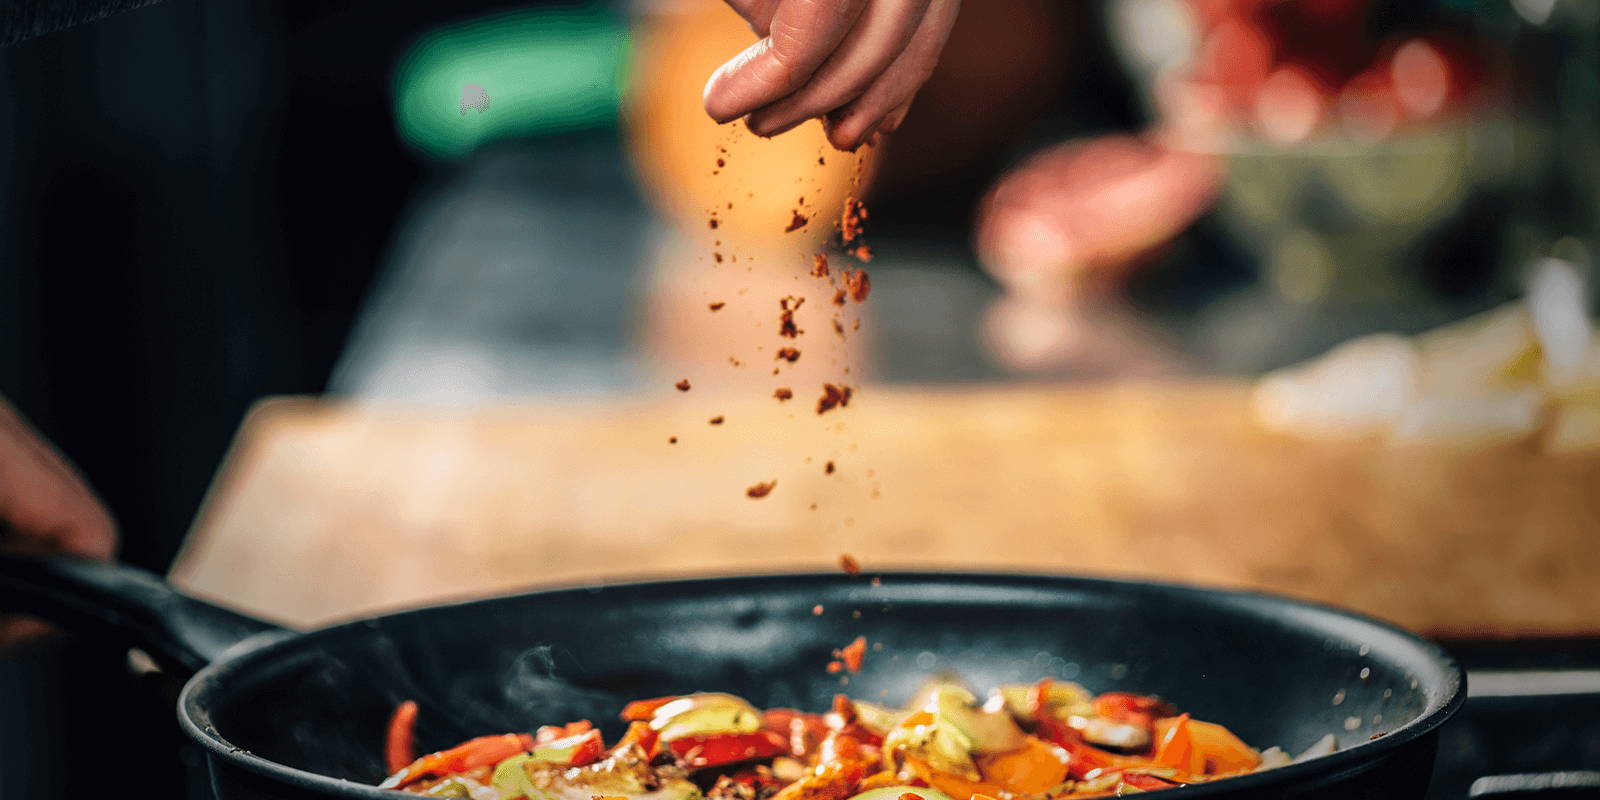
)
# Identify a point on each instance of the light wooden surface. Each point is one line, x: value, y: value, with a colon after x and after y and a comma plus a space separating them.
x: 324, y: 512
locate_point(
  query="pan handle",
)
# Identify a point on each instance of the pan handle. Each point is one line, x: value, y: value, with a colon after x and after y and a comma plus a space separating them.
x: 136, y: 606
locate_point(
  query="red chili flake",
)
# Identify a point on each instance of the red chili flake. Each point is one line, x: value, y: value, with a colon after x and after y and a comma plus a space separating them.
x: 853, y: 221
x: 859, y: 284
x: 717, y: 256
x: 717, y: 306
x: 819, y: 265
x: 722, y: 162
x: 816, y: 610
x: 839, y: 296
x: 835, y: 667
x: 683, y: 385
x: 833, y: 396
x: 827, y: 468
x: 862, y: 253
x: 760, y: 490
x: 852, y: 653
x: 716, y: 420
x: 799, y: 221
x: 783, y: 394
x: 786, y: 326
x: 713, y: 222
x: 911, y: 796
x: 849, y: 564
x: 789, y: 354
x: 672, y: 440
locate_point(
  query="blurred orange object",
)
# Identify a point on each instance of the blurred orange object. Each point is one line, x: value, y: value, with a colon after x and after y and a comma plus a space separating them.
x: 692, y: 167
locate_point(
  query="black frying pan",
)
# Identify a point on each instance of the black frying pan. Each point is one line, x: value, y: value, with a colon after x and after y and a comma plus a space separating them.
x: 287, y: 715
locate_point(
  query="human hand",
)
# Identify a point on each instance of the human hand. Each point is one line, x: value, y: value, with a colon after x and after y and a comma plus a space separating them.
x: 1081, y: 214
x: 856, y: 63
x: 45, y: 507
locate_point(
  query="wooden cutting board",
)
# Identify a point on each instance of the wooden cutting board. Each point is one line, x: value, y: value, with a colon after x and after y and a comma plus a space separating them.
x: 325, y: 511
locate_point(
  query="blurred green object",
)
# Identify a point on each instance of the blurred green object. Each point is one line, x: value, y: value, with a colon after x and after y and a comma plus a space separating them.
x: 521, y: 74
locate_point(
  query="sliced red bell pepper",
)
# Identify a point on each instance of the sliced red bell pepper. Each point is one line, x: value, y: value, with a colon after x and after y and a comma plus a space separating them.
x: 727, y: 748
x: 483, y: 751
x: 399, y: 747
x: 1039, y: 697
x: 549, y: 733
x: 573, y: 751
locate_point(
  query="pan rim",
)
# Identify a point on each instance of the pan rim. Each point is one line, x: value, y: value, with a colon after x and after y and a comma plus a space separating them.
x: 194, y: 717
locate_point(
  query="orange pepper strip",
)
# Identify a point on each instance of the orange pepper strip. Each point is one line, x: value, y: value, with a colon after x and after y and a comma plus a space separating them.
x: 1224, y: 753
x: 950, y: 784
x: 480, y: 752
x: 1175, y: 746
x: 1035, y: 768
x: 643, y: 710
x: 641, y: 734
x: 399, y: 747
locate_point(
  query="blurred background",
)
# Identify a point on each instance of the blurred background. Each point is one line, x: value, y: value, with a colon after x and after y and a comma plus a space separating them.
x: 476, y: 233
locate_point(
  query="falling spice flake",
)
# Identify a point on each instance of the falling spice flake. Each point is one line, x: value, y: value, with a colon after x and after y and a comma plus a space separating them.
x: 789, y: 354
x: 783, y: 394
x: 839, y: 296
x: 849, y: 564
x: 735, y: 361
x: 683, y: 385
x: 672, y: 440
x: 760, y: 490
x: 717, y: 420
x: 833, y: 397
x: 859, y: 284
x: 722, y: 162
x: 799, y: 221
x: 819, y: 265
x: 835, y: 667
x: 816, y: 610
x: 838, y: 327
x: 717, y: 256
x: 851, y: 654
x: 853, y: 221
x: 827, y: 469
x: 717, y: 306
x: 788, y: 306
x: 862, y: 253
x: 855, y: 324
x: 713, y: 222
x: 822, y: 162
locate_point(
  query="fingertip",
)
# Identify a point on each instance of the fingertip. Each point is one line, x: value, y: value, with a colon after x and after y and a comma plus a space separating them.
x: 768, y: 125
x: 850, y: 133
x: 716, y: 102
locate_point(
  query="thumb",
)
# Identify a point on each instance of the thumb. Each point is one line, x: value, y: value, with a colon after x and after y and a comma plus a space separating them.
x: 756, y: 12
